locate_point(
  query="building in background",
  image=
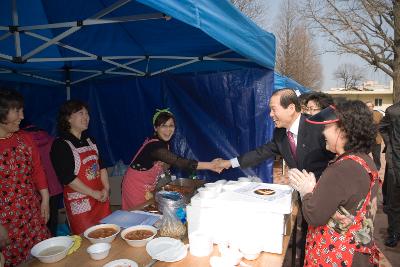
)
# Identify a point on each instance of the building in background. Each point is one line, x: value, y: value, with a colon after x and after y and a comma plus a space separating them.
x: 380, y: 95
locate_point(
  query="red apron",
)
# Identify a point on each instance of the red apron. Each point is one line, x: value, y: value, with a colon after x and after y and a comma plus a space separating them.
x: 84, y: 211
x: 19, y: 202
x: 326, y: 247
x: 136, y: 183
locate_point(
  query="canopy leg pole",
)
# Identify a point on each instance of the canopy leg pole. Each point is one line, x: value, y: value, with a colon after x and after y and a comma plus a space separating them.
x: 68, y: 83
x: 17, y: 40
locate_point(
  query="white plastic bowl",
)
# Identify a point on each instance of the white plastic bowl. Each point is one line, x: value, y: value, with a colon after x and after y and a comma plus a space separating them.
x: 108, y: 239
x: 244, y: 179
x: 216, y: 261
x: 141, y: 242
x: 200, y: 244
x: 207, y: 193
x: 250, y: 251
x: 99, y: 251
x: 251, y: 256
x: 217, y: 186
x: 121, y: 263
x: 49, y: 244
x: 231, y: 256
x: 230, y: 186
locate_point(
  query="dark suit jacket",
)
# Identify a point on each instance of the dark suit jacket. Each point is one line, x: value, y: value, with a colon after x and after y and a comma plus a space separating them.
x: 311, y: 149
x: 389, y: 128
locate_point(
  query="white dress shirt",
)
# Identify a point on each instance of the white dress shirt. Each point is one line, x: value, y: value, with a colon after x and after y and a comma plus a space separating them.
x: 294, y: 128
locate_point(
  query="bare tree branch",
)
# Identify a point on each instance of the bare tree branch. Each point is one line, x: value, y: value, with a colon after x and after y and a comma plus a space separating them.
x: 256, y: 10
x: 297, y: 55
x: 360, y: 27
x: 350, y: 74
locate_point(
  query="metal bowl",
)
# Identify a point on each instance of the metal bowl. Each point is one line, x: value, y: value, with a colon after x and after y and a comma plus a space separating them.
x: 186, y: 187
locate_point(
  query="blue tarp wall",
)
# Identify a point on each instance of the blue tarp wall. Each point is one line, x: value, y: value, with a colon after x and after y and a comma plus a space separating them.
x: 220, y: 114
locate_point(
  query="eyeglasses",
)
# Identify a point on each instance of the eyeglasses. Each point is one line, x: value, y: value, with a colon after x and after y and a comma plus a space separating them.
x: 311, y: 109
x: 167, y: 126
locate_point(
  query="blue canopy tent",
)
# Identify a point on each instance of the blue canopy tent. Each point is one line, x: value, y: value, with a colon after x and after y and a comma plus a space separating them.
x: 281, y: 81
x: 205, y: 60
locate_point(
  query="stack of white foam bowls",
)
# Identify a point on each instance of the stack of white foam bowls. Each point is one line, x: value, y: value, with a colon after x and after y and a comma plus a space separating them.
x: 200, y: 244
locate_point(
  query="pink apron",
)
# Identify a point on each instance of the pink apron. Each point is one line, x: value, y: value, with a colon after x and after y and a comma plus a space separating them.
x: 136, y: 183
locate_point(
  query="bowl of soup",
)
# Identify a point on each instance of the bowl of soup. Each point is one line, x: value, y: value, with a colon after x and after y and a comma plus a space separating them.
x: 53, y: 249
x: 102, y: 233
x: 139, y: 235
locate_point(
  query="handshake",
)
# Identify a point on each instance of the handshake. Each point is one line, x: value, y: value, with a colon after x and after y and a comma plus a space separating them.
x: 218, y: 165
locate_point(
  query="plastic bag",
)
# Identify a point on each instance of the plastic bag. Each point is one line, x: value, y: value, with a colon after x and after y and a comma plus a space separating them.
x: 171, y: 226
x: 119, y: 169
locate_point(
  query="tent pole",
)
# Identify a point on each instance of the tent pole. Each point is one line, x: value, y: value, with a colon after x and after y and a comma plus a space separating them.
x: 6, y: 57
x: 17, y: 40
x: 110, y: 71
x: 68, y: 83
x: 123, y: 66
x: 71, y: 30
x: 40, y: 77
x: 190, y: 62
x: 4, y: 36
x: 88, y: 22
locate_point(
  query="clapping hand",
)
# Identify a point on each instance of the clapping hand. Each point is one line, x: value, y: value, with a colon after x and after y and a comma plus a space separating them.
x: 302, y: 181
x: 344, y: 220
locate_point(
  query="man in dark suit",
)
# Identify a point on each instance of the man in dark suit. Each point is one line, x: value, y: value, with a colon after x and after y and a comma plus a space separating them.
x: 301, y: 144
x: 390, y: 131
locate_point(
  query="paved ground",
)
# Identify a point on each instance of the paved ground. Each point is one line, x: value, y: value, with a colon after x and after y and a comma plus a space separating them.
x: 392, y: 254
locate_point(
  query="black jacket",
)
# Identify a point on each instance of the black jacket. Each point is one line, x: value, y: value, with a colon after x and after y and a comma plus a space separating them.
x: 390, y: 131
x: 311, y: 149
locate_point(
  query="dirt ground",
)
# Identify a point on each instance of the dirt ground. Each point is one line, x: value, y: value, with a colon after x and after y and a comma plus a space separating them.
x: 391, y: 255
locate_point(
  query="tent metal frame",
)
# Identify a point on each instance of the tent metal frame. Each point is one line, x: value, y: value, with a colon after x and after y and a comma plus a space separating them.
x: 73, y: 26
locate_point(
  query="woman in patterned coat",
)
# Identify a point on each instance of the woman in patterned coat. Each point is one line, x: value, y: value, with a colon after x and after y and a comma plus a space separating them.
x: 24, y: 201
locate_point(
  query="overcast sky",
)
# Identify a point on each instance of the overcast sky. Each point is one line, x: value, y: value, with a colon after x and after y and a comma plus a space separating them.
x: 331, y: 61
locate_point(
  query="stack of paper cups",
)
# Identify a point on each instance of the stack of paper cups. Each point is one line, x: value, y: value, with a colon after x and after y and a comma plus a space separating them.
x: 200, y: 244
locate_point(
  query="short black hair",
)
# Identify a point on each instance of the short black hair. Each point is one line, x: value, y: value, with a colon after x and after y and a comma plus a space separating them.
x: 9, y: 99
x: 66, y: 110
x: 163, y: 117
x: 356, y: 121
x: 322, y: 100
x: 303, y: 98
x: 288, y: 96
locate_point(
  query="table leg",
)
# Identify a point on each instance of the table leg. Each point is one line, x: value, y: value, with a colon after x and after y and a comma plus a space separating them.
x: 294, y: 243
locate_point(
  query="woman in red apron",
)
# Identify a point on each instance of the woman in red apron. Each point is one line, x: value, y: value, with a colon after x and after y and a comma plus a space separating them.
x: 23, y: 214
x: 341, y: 207
x: 76, y: 161
x: 152, y: 159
